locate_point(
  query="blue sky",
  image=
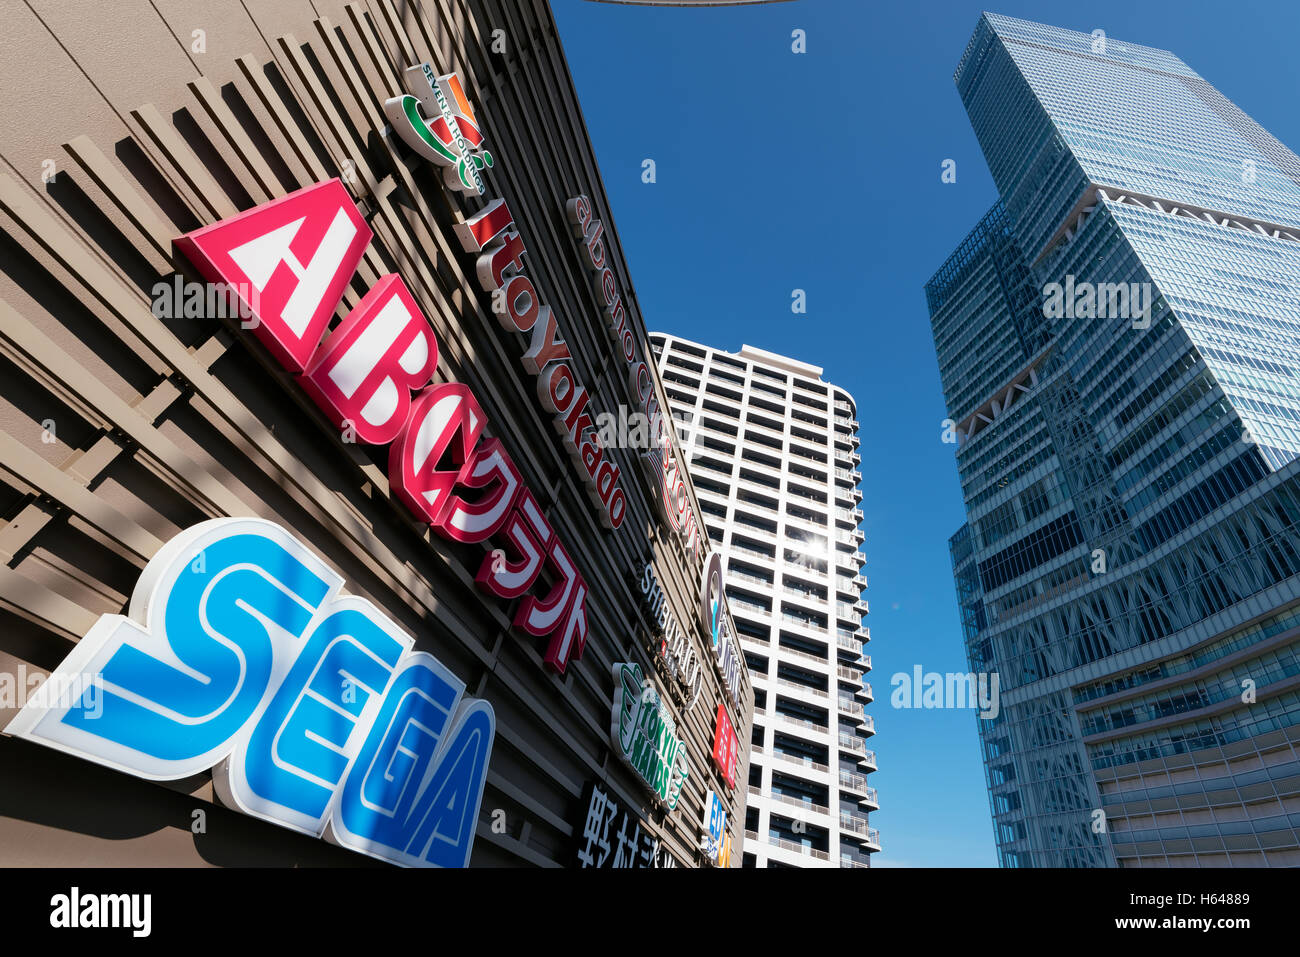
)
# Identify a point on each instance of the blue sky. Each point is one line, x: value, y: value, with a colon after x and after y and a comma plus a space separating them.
x: 820, y: 171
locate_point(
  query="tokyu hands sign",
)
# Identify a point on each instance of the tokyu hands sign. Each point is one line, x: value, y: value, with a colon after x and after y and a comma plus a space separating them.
x: 242, y: 654
x: 645, y: 734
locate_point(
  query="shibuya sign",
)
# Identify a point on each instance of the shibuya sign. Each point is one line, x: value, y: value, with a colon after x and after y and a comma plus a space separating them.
x: 674, y: 647
x: 453, y: 139
x: 241, y: 654
x: 372, y: 377
x: 645, y: 734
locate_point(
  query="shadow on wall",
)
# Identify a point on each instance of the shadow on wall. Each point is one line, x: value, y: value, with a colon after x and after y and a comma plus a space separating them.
x: 53, y: 790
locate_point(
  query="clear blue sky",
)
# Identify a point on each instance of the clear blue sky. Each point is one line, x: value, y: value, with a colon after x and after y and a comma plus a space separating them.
x: 821, y: 171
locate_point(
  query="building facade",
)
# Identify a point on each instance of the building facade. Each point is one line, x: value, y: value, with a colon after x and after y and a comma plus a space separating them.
x: 773, y: 452
x: 316, y: 551
x: 1118, y: 340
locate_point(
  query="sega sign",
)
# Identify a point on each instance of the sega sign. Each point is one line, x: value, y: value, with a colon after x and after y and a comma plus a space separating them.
x: 242, y: 654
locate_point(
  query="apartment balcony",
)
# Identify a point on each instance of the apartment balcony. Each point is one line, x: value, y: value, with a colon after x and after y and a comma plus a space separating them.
x: 797, y: 848
x: 790, y: 801
x: 752, y: 426
x: 857, y: 459
x: 868, y: 724
x: 849, y: 862
x: 851, y: 708
x: 805, y: 763
x: 753, y: 607
x: 803, y: 723
x: 747, y: 506
x: 862, y: 607
x: 747, y: 577
x: 845, y: 610
x: 859, y: 535
x: 873, y: 838
x: 849, y: 643
x: 859, y: 581
x: 821, y: 660
x: 870, y: 799
x: 869, y: 759
x: 803, y: 594
x: 802, y: 622
x: 866, y: 662
x: 856, y: 826
x: 752, y: 553
x: 802, y: 688
x: 847, y: 673
x: 853, y: 782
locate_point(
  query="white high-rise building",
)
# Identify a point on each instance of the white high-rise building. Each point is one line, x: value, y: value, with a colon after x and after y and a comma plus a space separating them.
x: 773, y: 456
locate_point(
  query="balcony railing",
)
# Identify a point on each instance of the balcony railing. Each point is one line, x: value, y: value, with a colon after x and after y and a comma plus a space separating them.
x: 849, y: 706
x: 820, y: 692
x: 857, y: 782
x: 793, y: 802
x: 798, y: 848
x: 820, y: 659
x: 801, y: 761
x: 803, y: 723
x: 802, y: 622
x: 803, y: 594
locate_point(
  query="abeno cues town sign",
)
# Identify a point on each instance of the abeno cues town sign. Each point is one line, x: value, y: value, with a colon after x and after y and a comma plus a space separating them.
x: 242, y: 654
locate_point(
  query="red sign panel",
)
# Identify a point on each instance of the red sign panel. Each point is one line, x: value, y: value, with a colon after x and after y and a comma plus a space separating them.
x: 726, y: 747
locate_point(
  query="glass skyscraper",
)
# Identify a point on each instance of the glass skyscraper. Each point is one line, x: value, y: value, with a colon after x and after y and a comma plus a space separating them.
x: 1119, y: 346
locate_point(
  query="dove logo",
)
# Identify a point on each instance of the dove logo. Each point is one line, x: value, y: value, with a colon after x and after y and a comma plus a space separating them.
x: 241, y: 654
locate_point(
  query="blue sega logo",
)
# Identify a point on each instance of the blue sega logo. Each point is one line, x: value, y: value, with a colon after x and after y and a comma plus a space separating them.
x: 241, y: 654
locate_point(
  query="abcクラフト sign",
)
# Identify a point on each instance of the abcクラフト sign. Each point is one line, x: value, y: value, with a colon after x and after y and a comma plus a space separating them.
x: 372, y: 377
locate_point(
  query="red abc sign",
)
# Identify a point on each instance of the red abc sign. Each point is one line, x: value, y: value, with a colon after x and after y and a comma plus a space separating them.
x: 289, y: 262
